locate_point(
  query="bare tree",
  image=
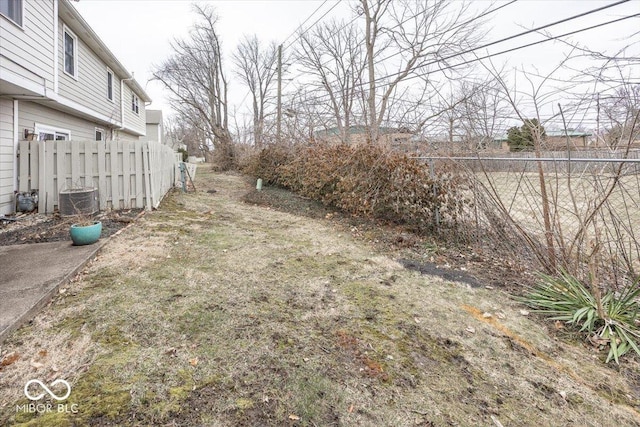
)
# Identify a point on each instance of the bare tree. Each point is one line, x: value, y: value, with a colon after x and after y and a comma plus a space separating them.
x: 304, y: 115
x: 418, y: 36
x: 619, y: 110
x: 195, y: 79
x: 483, y: 112
x: 332, y: 53
x: 181, y: 132
x: 257, y: 67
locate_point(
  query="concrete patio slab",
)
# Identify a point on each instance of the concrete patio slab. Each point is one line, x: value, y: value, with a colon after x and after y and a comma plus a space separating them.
x: 31, y: 274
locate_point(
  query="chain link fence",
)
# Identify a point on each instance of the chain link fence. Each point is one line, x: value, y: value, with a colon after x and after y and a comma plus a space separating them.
x: 563, y: 212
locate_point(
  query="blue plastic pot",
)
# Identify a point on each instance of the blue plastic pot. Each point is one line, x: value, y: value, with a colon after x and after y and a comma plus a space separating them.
x: 85, y: 234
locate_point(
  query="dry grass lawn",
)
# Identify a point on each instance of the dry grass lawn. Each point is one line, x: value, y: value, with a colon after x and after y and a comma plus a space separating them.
x: 214, y: 312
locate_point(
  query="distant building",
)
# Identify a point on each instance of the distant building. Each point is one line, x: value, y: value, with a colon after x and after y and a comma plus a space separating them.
x: 360, y: 135
x: 154, y: 126
x: 558, y: 140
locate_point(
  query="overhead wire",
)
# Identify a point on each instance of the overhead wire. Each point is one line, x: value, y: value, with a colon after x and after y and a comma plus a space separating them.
x: 485, y: 13
x: 294, y: 32
x: 476, y: 59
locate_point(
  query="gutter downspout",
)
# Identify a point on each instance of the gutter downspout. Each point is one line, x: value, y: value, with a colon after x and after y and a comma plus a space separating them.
x: 55, y: 45
x: 16, y: 139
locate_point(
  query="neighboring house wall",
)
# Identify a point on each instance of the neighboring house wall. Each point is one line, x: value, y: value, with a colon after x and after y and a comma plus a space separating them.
x: 27, y: 52
x: 390, y: 139
x: 154, y: 126
x: 6, y: 155
x: 560, y: 142
x: 154, y: 133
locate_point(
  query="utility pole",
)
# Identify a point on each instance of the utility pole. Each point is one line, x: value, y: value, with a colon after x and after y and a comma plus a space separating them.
x: 279, y: 118
x: 597, y: 119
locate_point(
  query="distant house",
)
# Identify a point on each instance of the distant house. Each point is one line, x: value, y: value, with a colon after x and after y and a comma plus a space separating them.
x: 561, y: 139
x: 554, y: 140
x: 359, y: 135
x: 154, y: 126
x: 58, y: 81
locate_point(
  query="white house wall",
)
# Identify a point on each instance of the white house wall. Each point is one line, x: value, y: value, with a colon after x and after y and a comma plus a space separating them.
x: 132, y: 121
x: 90, y: 87
x: 6, y: 156
x: 153, y: 133
x: 31, y: 113
x: 30, y: 49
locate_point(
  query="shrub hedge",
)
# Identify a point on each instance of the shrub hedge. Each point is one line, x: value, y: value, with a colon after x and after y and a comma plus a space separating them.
x: 366, y: 180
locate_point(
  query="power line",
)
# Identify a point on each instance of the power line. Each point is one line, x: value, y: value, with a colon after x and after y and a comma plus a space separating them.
x: 506, y: 39
x: 310, y: 26
x: 305, y: 21
x: 486, y: 13
x: 513, y: 37
x: 298, y: 28
x: 457, y: 26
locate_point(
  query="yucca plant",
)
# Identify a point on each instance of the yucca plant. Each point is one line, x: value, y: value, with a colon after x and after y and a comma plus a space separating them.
x: 612, y: 322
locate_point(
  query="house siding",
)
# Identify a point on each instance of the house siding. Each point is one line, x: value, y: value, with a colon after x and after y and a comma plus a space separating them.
x: 30, y: 48
x: 90, y: 87
x: 6, y: 156
x: 153, y: 133
x: 31, y: 113
x: 133, y: 121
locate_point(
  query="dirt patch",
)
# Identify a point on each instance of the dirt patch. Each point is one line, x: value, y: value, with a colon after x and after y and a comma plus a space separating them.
x: 447, y: 274
x: 40, y: 228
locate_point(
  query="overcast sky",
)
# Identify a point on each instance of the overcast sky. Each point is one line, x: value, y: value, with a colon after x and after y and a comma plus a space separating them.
x: 138, y: 32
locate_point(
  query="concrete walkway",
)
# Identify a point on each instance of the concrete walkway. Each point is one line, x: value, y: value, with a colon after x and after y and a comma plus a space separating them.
x: 31, y: 274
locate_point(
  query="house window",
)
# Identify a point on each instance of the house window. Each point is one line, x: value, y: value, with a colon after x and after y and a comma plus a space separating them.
x: 109, y: 85
x: 135, y: 102
x: 12, y: 9
x: 48, y: 133
x: 70, y: 53
x: 99, y: 134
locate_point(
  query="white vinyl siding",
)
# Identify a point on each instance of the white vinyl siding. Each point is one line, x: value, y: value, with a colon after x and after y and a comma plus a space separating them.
x: 30, y: 48
x: 90, y: 89
x: 32, y: 114
x: 154, y: 133
x: 6, y: 155
x: 133, y: 121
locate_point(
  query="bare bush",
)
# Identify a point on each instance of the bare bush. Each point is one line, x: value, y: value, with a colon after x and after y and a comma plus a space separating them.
x: 368, y: 181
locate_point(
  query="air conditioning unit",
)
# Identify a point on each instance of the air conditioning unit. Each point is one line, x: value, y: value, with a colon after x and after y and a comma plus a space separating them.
x: 78, y: 201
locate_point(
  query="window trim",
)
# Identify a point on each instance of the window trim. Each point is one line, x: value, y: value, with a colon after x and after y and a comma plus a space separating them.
x: 17, y: 24
x: 40, y: 128
x: 135, y: 103
x: 110, y: 73
x: 76, y: 52
x: 103, y: 134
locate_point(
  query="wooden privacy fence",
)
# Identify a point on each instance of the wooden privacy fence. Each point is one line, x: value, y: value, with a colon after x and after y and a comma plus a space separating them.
x: 127, y: 174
